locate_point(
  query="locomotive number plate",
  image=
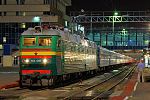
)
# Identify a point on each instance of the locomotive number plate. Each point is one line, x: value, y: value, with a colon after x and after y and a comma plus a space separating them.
x: 36, y: 60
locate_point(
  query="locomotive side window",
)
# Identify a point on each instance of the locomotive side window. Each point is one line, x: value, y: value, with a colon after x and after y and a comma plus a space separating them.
x: 59, y: 43
x: 29, y: 41
x: 44, y: 41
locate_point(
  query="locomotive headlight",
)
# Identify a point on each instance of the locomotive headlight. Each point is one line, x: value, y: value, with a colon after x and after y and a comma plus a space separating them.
x: 27, y: 60
x: 45, y: 61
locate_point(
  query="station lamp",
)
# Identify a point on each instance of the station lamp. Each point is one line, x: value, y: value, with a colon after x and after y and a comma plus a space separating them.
x: 23, y: 25
x: 4, y: 39
x: 115, y: 13
x: 146, y: 42
x: 36, y: 19
x: 124, y: 30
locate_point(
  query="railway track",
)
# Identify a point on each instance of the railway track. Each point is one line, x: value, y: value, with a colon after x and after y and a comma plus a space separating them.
x: 97, y: 91
x: 17, y: 93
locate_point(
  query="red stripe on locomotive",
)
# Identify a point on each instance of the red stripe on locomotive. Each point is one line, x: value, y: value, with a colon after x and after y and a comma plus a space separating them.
x: 34, y: 71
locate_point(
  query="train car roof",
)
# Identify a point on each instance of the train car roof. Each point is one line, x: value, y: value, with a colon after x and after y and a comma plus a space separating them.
x: 65, y: 35
x: 49, y: 32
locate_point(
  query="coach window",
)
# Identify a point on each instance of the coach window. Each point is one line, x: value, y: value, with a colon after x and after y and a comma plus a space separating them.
x: 29, y: 41
x: 45, y: 41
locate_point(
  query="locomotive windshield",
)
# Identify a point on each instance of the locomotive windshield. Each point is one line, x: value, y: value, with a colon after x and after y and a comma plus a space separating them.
x: 44, y: 41
x: 37, y: 41
x: 29, y: 41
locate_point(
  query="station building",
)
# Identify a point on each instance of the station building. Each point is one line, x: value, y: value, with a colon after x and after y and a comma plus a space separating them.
x: 17, y: 15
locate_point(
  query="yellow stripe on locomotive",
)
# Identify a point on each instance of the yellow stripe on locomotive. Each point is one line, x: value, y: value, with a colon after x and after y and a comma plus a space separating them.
x: 40, y: 53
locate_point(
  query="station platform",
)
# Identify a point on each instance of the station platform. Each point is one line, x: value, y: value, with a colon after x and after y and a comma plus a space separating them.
x: 142, y: 89
x: 9, y: 77
x: 141, y: 92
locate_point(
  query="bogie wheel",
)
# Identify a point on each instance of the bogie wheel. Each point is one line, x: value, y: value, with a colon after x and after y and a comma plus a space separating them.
x: 41, y: 82
x: 30, y: 82
x: 49, y: 83
x: 20, y: 82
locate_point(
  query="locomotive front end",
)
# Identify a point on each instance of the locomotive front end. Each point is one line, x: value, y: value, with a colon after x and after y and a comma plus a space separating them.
x: 36, y: 58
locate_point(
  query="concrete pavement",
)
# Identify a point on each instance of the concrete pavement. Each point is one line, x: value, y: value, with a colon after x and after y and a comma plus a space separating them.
x: 9, y: 77
x: 9, y: 69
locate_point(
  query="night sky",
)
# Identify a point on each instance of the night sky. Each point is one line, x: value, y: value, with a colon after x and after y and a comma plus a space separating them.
x: 109, y: 5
